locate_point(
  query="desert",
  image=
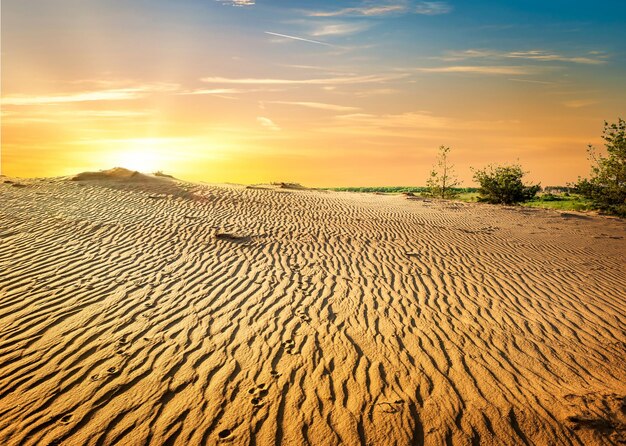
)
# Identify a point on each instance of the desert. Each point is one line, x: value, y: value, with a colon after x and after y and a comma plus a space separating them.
x: 139, y: 309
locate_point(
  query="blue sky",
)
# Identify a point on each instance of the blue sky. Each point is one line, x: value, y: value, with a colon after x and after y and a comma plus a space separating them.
x: 246, y: 88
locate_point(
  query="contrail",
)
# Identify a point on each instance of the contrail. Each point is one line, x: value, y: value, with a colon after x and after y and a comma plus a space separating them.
x: 298, y: 38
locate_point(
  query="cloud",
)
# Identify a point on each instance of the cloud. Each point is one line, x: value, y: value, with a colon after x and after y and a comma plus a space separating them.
x: 419, y: 119
x: 13, y: 117
x: 579, y: 103
x: 376, y: 91
x: 216, y: 91
x: 267, y: 123
x: 479, y: 69
x: 104, y: 95
x: 362, y: 11
x: 302, y: 39
x: 413, y: 124
x: 319, y: 81
x: 398, y: 7
x: 592, y: 58
x: 531, y: 81
x: 317, y: 105
x: 544, y: 56
x: 239, y: 3
x: 432, y: 8
x: 118, y: 94
x: 339, y: 29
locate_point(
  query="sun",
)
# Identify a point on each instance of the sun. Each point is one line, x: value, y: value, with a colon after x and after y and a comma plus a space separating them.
x: 142, y: 154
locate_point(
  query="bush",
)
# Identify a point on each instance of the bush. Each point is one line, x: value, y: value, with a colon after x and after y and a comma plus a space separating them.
x: 442, y: 182
x: 550, y: 197
x: 503, y: 185
x: 607, y: 186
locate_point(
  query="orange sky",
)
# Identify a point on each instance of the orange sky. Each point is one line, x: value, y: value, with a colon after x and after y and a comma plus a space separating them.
x: 257, y: 93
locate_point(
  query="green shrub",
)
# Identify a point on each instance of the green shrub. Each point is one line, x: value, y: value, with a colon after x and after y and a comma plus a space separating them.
x: 503, y: 185
x: 607, y: 186
x: 442, y: 182
x: 550, y: 197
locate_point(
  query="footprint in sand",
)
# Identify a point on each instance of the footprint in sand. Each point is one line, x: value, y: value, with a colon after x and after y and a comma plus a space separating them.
x: 113, y: 371
x: 274, y: 374
x: 302, y: 315
x: 258, y: 393
x: 95, y: 377
x: 225, y: 434
x: 391, y: 407
x: 120, y: 347
x: 602, y: 413
x: 289, y: 346
x: 66, y: 419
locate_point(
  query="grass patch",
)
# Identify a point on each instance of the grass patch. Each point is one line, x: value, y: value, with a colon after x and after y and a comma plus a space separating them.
x: 560, y: 202
x: 557, y: 201
x: 468, y: 197
x: 397, y: 189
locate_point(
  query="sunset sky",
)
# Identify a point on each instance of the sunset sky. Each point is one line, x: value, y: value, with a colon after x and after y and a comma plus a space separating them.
x: 317, y: 92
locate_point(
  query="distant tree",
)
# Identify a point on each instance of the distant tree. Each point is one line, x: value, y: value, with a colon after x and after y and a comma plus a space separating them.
x: 607, y: 186
x: 504, y: 185
x: 442, y: 180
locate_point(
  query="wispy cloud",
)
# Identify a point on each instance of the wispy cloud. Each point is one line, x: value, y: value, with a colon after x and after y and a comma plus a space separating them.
x: 376, y: 91
x: 414, y: 124
x: 420, y: 119
x: 397, y: 7
x: 579, y: 103
x: 14, y: 117
x: 479, y: 69
x: 591, y: 58
x: 360, y: 11
x: 239, y: 3
x: 316, y: 105
x: 318, y: 81
x: 339, y: 29
x: 216, y: 91
x: 325, y: 69
x: 267, y: 123
x: 302, y: 39
x: 105, y: 95
x: 550, y: 57
x: 432, y: 8
x: 532, y: 81
x: 118, y: 94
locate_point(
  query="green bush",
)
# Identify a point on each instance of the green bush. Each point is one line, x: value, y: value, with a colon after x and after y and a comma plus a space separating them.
x: 442, y: 182
x: 503, y: 185
x: 607, y: 186
x: 550, y: 197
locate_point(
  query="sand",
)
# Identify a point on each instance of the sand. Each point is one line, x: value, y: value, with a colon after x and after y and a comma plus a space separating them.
x: 152, y: 311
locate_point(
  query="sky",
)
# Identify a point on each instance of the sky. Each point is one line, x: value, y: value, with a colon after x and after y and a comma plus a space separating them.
x: 323, y: 93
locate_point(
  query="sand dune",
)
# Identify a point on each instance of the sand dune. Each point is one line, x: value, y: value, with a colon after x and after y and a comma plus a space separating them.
x: 174, y: 313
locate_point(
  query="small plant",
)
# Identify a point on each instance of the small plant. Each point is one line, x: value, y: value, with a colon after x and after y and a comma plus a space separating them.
x: 503, y: 185
x: 442, y: 181
x: 607, y: 186
x: 159, y: 173
x: 550, y: 197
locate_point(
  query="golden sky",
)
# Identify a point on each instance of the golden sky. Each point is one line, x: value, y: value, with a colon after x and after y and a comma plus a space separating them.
x: 321, y: 93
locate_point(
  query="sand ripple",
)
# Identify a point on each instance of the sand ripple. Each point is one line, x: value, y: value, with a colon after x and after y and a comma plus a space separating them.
x: 266, y: 316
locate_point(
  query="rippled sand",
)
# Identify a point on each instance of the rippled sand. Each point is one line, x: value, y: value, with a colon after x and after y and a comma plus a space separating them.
x: 151, y: 311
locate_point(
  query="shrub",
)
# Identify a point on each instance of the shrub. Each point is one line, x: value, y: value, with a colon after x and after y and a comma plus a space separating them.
x: 607, y: 186
x: 503, y: 184
x: 550, y: 197
x: 442, y: 182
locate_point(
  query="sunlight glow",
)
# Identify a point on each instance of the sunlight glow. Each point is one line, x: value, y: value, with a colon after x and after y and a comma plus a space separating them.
x: 145, y: 155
